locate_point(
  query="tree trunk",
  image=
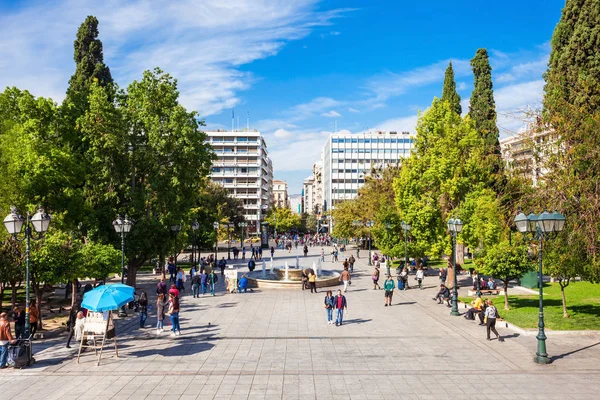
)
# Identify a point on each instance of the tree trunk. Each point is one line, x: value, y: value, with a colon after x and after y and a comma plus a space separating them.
x: 564, y: 300
x: 73, y: 293
x: 131, y: 275
x: 506, y: 307
x: 460, y: 254
x: 450, y: 277
x: 38, y: 296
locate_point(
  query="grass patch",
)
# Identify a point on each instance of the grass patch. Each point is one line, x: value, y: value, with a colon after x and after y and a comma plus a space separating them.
x: 583, y: 306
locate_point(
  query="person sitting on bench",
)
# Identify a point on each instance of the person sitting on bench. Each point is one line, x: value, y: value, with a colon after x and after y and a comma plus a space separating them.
x: 477, y: 304
x: 491, y: 284
x: 443, y: 294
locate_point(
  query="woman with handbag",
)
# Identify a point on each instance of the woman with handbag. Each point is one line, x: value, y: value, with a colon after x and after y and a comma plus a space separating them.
x: 491, y: 314
x: 174, y: 315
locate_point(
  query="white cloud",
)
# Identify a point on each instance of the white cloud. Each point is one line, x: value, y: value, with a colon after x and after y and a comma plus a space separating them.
x: 335, y: 33
x: 353, y: 110
x: 461, y: 86
x: 395, y: 84
x: 282, y: 134
x: 331, y: 114
x: 201, y: 44
x: 401, y: 124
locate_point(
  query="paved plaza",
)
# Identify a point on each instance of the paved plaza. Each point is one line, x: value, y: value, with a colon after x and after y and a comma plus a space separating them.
x: 276, y: 344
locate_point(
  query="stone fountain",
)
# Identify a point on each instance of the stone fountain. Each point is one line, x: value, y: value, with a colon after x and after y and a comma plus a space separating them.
x: 290, y: 277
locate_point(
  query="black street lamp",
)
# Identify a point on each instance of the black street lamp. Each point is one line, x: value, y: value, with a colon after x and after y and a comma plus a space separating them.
x: 540, y: 227
x: 454, y: 226
x: 14, y: 224
x: 195, y: 227
x: 406, y: 229
x: 122, y: 227
x: 230, y: 226
x: 243, y: 226
x: 216, y: 226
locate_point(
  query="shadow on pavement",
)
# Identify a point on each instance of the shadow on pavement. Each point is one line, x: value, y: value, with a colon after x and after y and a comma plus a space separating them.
x: 187, y: 347
x: 558, y: 357
x: 356, y: 321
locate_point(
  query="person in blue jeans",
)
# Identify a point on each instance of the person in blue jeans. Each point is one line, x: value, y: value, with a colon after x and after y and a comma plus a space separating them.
x: 5, y: 339
x: 174, y: 315
x: 340, y: 304
x: 329, y: 305
x: 203, y: 280
x: 143, y: 303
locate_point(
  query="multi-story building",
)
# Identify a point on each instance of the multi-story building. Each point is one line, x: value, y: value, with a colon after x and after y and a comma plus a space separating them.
x: 280, y: 194
x: 295, y: 202
x: 347, y: 158
x: 525, y: 153
x: 243, y: 167
x: 308, y: 187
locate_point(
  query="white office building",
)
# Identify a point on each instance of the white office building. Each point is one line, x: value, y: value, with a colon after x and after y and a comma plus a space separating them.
x: 348, y: 158
x: 243, y: 167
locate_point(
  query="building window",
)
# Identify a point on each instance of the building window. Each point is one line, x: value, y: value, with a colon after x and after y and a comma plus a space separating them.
x: 216, y: 169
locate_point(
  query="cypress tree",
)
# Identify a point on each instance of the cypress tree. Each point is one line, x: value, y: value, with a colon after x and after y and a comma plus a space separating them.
x: 572, y: 111
x: 449, y: 93
x: 482, y: 108
x: 89, y: 58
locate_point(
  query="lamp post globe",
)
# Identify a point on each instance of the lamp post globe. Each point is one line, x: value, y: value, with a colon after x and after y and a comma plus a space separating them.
x: 14, y: 224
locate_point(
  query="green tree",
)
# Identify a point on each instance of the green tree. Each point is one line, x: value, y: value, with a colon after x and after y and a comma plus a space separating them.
x: 449, y: 92
x: 11, y: 268
x: 506, y: 262
x: 311, y: 222
x: 482, y: 110
x: 444, y: 168
x: 283, y: 219
x: 565, y: 261
x: 169, y: 159
x: 572, y: 112
x: 89, y: 60
x: 483, y: 219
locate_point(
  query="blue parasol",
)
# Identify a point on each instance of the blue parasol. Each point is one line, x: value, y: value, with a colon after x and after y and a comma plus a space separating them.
x: 107, y: 297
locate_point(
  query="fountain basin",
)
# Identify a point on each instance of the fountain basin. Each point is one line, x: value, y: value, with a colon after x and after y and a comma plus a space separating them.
x: 275, y: 279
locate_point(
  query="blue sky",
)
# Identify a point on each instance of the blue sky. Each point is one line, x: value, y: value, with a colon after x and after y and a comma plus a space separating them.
x: 297, y: 66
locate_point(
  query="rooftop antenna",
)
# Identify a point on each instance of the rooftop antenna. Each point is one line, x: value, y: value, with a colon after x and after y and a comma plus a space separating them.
x: 232, y: 119
x: 248, y: 121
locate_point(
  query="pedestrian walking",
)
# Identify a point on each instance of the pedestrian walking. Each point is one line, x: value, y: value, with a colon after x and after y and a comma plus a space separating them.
x: 491, y: 314
x: 212, y: 281
x: 443, y: 275
x: 161, y: 288
x: 375, y: 278
x: 420, y: 276
x: 351, y: 261
x: 222, y: 265
x: 272, y: 251
x: 18, y: 316
x: 243, y: 252
x: 5, y: 338
x: 70, y: 323
x: 304, y: 279
x: 341, y: 305
x: 174, y: 315
x: 322, y: 255
x: 345, y: 279
x: 388, y: 286
x: 143, y: 304
x: 196, y: 282
x: 203, y: 281
x: 312, y: 281
x: 180, y: 280
x: 329, y: 305
x: 34, y: 316
x: 160, y: 313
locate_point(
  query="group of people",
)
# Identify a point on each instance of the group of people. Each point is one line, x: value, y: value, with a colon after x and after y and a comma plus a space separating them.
x: 255, y: 252
x: 486, y: 312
